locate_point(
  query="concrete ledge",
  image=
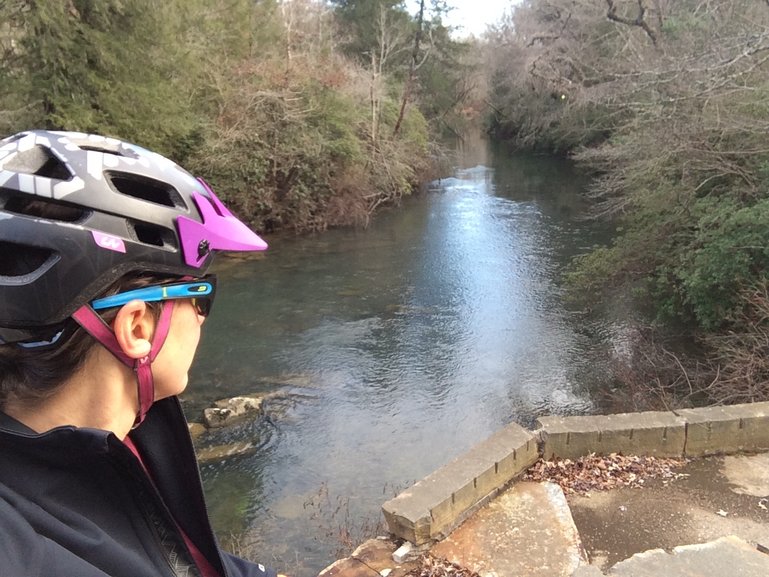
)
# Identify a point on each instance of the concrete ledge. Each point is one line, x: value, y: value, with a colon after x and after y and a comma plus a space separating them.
x: 437, y: 503
x: 729, y: 429
x: 652, y: 433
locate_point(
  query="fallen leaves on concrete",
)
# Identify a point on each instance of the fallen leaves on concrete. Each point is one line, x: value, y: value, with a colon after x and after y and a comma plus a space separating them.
x: 430, y: 566
x: 603, y: 472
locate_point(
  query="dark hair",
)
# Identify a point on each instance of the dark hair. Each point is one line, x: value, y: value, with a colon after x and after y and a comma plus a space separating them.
x: 28, y: 375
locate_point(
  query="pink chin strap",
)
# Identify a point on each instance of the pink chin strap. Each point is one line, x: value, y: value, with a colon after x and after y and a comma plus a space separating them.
x: 94, y: 325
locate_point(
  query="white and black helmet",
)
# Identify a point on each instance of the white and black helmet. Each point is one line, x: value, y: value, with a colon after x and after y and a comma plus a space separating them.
x: 111, y: 208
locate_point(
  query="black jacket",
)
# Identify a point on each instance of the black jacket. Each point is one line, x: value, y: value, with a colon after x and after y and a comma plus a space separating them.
x: 77, y: 503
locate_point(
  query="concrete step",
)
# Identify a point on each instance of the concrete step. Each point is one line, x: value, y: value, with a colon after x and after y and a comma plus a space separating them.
x: 722, y: 557
x: 526, y: 530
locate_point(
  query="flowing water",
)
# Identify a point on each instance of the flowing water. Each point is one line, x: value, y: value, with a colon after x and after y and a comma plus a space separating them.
x: 386, y: 352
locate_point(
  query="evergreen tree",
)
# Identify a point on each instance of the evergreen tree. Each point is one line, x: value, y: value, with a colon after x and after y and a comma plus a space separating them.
x: 107, y: 66
x: 361, y: 25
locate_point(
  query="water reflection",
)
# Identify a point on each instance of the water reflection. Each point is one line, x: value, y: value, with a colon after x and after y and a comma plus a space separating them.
x: 392, y: 350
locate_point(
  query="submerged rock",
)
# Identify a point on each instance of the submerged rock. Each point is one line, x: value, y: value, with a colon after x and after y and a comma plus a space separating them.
x: 299, y: 380
x: 219, y: 452
x: 226, y: 411
x: 196, y: 429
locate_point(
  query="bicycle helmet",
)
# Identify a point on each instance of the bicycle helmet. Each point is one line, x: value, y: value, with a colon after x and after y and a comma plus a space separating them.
x: 118, y: 208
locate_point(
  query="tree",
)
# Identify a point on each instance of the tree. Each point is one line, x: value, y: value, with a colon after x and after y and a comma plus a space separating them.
x: 667, y: 103
x: 104, y: 66
x: 361, y: 24
x: 414, y: 64
x: 290, y: 135
x: 254, y: 96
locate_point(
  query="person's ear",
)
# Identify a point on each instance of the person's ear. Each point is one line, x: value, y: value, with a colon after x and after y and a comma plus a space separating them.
x: 133, y: 326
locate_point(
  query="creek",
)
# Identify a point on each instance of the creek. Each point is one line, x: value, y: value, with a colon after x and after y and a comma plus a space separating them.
x: 386, y: 352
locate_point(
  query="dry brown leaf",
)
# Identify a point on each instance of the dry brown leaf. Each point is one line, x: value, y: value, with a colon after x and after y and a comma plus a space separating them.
x: 600, y: 473
x: 431, y: 566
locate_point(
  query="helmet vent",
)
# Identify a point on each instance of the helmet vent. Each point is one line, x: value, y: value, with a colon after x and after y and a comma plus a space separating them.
x: 47, y: 209
x: 146, y: 189
x: 154, y: 235
x: 102, y: 150
x: 17, y: 260
x: 40, y: 162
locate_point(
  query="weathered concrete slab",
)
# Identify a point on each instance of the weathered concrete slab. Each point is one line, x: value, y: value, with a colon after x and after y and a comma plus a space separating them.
x: 433, y: 506
x: 730, y: 429
x: 700, y: 506
x: 526, y: 530
x: 723, y: 557
x: 585, y: 570
x: 748, y: 474
x: 660, y: 434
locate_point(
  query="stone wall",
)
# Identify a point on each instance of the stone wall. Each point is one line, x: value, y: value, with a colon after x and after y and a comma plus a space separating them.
x: 432, y: 507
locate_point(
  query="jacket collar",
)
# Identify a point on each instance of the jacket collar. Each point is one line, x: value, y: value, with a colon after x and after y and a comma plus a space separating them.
x: 8, y: 423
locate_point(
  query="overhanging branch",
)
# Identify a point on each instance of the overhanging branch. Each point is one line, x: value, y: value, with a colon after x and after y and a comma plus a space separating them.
x: 639, y: 21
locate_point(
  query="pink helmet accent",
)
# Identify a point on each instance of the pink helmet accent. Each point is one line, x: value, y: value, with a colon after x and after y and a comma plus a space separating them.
x: 220, y: 230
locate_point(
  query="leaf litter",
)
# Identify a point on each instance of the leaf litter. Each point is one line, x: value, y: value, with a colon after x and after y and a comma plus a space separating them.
x: 604, y: 472
x: 431, y: 566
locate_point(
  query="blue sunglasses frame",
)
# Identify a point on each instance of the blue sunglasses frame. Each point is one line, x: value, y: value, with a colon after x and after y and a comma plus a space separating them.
x: 200, y: 291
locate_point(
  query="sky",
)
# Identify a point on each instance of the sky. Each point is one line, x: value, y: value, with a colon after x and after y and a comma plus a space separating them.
x: 473, y: 15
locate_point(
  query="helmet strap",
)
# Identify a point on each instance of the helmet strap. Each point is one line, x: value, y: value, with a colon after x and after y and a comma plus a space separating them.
x: 94, y: 325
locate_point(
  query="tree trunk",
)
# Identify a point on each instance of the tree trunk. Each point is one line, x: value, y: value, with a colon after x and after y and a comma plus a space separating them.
x: 412, y: 69
x: 288, y: 20
x: 374, y: 100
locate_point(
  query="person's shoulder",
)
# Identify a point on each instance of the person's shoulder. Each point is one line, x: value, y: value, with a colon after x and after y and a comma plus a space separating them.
x: 22, y: 549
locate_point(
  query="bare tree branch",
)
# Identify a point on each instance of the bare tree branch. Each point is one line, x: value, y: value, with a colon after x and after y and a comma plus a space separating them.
x: 639, y: 21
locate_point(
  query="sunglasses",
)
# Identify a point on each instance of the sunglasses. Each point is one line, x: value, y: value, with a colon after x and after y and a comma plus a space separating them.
x: 200, y: 292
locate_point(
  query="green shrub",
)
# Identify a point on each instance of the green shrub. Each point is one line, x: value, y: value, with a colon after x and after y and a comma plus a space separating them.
x: 729, y: 254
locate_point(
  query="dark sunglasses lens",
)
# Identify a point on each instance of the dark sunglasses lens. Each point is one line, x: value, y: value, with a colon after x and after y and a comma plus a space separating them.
x: 202, y: 305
